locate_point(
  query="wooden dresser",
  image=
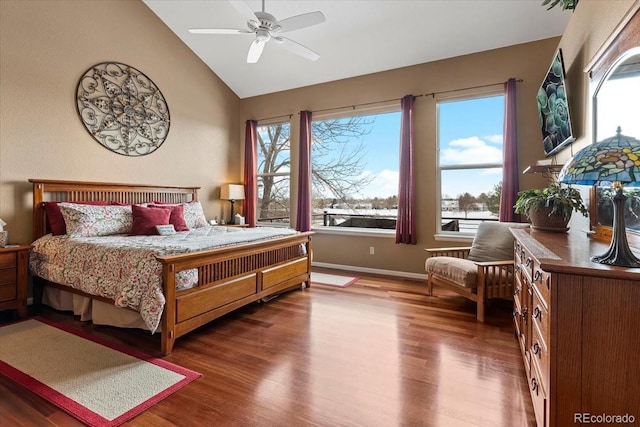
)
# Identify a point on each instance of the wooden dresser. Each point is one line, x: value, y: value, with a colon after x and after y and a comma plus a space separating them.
x: 14, y: 266
x: 578, y: 325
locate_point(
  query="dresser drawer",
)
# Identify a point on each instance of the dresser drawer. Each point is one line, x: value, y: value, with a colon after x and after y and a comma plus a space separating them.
x: 538, y: 396
x: 542, y: 282
x: 8, y: 276
x: 540, y: 355
x: 8, y: 292
x: 540, y: 315
x: 8, y: 260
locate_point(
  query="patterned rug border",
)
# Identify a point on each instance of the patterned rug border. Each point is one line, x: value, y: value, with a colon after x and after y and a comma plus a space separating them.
x: 79, y: 411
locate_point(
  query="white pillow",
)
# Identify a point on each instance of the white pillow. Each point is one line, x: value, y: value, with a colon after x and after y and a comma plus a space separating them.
x: 90, y: 220
x: 194, y: 215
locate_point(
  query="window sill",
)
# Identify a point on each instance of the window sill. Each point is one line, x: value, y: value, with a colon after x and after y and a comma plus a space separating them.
x: 354, y: 231
x: 457, y: 237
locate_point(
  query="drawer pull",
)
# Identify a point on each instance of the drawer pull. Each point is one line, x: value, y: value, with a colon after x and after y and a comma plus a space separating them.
x: 529, y: 262
x: 518, y: 268
x: 534, y: 385
x: 538, y: 276
x: 516, y: 291
x: 537, y: 313
x: 522, y: 254
x: 524, y: 312
x: 537, y: 349
x: 515, y: 312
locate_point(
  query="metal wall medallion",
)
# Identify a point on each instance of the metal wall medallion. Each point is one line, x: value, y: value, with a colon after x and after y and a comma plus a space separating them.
x: 123, y: 109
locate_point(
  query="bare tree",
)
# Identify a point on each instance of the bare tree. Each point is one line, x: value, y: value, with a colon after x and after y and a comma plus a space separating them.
x: 337, y: 163
x: 466, y: 203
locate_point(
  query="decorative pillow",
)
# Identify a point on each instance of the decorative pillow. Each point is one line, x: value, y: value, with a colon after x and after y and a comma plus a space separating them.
x: 90, y: 221
x: 177, y: 216
x: 146, y: 219
x: 54, y: 215
x: 165, y: 230
x: 493, y: 241
x: 194, y: 215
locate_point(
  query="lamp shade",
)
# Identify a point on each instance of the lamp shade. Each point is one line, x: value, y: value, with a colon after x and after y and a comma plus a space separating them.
x: 232, y: 192
x: 615, y: 159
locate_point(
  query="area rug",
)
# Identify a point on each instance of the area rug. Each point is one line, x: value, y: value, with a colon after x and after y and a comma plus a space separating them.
x: 100, y: 383
x: 332, y: 280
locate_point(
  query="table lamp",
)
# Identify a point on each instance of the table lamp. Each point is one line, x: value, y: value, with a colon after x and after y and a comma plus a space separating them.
x: 232, y: 192
x: 613, y: 161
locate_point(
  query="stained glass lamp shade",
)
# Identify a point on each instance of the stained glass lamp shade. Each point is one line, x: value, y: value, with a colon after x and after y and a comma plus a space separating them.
x: 613, y: 161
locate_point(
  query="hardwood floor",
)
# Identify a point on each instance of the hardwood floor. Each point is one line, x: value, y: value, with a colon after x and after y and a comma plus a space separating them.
x: 377, y: 353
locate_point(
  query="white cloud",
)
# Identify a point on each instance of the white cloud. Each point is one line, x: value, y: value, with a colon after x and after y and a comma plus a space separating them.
x: 384, y: 184
x: 472, y: 150
x: 494, y: 139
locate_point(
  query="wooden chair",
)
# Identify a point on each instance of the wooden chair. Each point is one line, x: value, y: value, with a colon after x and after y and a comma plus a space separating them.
x: 479, y: 272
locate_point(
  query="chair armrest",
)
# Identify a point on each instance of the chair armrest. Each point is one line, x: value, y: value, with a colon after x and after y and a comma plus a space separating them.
x: 457, y: 252
x: 496, y: 263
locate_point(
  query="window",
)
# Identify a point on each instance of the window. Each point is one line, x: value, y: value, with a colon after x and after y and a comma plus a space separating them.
x: 354, y: 171
x: 470, y: 160
x: 274, y: 166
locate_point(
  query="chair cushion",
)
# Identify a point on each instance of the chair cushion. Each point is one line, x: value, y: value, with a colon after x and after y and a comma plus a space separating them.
x: 493, y: 241
x: 459, y: 270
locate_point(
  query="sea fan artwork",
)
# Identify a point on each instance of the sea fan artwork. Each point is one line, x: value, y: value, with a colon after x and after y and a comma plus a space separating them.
x: 553, y: 109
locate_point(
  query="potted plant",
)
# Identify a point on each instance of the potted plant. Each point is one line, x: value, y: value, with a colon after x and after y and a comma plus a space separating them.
x: 550, y: 208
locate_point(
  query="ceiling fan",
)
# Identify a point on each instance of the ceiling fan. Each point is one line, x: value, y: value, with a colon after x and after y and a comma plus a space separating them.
x: 266, y: 27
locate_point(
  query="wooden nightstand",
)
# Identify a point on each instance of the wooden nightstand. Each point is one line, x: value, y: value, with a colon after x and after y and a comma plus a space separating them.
x: 14, y: 268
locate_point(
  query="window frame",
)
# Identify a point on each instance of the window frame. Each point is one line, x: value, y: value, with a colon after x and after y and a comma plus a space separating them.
x: 466, y: 96
x: 367, y: 110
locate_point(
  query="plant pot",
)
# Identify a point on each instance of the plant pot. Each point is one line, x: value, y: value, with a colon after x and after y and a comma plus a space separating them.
x: 541, y: 220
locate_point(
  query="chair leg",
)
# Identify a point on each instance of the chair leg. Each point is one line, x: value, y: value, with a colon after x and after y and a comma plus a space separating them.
x: 429, y: 286
x: 481, y: 301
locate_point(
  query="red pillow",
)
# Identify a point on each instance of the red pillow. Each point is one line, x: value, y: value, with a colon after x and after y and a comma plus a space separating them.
x: 145, y: 220
x: 55, y: 218
x: 177, y: 216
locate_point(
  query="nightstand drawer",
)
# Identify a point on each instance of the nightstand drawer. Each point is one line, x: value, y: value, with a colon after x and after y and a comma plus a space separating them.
x: 8, y: 276
x: 8, y: 292
x: 8, y: 260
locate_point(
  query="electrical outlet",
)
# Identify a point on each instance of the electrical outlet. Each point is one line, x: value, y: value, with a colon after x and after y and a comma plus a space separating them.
x: 372, y: 250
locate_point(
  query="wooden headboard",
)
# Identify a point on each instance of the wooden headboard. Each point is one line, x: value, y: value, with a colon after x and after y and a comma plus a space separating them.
x: 45, y: 190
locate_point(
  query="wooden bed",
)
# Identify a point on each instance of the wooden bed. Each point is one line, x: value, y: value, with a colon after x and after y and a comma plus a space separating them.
x: 228, y: 278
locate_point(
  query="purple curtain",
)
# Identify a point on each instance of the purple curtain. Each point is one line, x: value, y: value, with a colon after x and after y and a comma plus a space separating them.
x: 406, y: 223
x: 510, y: 171
x: 249, y: 209
x: 303, y: 219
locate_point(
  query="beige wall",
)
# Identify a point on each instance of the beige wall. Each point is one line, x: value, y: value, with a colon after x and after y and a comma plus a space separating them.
x: 528, y: 61
x: 45, y: 46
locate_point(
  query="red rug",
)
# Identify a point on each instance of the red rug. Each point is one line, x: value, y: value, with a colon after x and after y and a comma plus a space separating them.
x: 98, y: 382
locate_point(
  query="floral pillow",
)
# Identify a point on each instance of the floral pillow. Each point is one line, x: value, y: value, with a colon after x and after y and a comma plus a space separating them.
x: 194, y: 215
x: 90, y: 221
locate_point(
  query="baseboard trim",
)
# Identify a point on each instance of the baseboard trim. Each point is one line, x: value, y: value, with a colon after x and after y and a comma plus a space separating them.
x: 415, y: 276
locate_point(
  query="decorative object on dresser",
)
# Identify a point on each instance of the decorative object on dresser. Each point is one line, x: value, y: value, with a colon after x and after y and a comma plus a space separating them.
x: 550, y: 209
x: 577, y: 326
x: 122, y: 109
x: 479, y: 272
x: 14, y: 272
x: 4, y: 235
x: 613, y: 161
x: 232, y: 192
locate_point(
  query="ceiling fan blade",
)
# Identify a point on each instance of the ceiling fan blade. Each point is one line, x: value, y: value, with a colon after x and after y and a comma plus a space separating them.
x: 218, y: 31
x: 257, y: 46
x: 297, y: 48
x: 301, y: 21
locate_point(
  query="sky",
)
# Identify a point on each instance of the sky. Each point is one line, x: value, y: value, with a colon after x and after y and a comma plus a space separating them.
x: 470, y: 132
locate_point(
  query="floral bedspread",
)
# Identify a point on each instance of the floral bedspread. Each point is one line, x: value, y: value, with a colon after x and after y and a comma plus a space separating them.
x: 124, y: 268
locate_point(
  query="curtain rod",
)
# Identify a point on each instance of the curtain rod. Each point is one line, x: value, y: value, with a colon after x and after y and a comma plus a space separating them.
x: 274, y: 117
x: 433, y: 94
x: 354, y: 106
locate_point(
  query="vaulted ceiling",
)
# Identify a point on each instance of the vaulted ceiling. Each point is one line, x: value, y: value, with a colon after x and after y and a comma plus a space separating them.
x: 359, y: 36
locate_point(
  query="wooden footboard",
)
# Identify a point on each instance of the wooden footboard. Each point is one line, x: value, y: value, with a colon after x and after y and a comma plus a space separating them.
x: 228, y: 278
